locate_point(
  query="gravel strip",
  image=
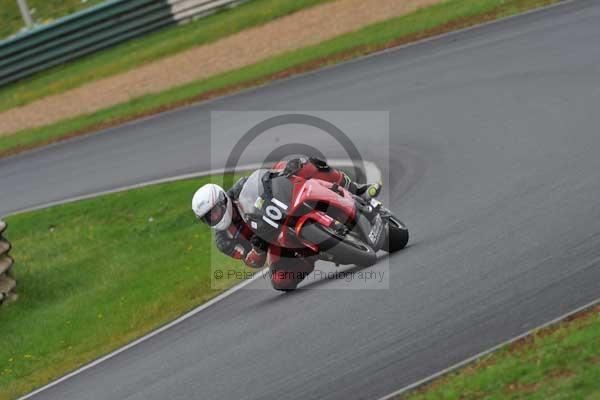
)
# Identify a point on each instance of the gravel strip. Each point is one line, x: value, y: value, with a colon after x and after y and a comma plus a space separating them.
x: 288, y: 33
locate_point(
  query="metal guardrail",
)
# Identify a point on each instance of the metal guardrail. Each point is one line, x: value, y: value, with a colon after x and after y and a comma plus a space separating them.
x: 7, y: 283
x: 93, y: 29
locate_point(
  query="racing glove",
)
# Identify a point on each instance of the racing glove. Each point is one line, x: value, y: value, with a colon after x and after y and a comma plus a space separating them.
x: 229, y: 246
x: 257, y: 256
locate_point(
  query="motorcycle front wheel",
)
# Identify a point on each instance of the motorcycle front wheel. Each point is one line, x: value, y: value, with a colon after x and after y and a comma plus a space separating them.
x: 397, y: 236
x: 345, y: 249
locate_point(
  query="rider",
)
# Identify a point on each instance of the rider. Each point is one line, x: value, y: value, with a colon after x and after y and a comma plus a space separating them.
x: 218, y: 209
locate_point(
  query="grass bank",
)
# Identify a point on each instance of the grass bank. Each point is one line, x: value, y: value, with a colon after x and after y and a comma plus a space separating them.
x: 96, y: 274
x: 444, y: 17
x: 558, y: 362
x: 42, y: 11
x: 148, y: 48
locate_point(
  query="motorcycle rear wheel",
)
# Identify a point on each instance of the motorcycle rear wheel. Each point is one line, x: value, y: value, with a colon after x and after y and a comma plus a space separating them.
x: 345, y: 249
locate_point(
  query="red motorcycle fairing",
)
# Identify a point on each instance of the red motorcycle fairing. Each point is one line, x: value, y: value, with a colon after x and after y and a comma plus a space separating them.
x: 315, y: 191
x: 317, y: 216
x: 277, y: 207
x: 319, y: 191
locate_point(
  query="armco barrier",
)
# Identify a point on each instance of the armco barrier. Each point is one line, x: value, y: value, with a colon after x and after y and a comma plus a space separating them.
x: 93, y: 29
x: 7, y: 283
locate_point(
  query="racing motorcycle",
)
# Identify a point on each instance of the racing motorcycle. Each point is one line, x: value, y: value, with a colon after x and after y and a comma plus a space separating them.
x: 316, y: 218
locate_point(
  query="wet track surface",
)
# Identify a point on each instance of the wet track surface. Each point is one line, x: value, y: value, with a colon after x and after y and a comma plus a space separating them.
x: 494, y: 167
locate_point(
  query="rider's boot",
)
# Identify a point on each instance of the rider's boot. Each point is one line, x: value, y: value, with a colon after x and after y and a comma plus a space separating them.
x: 367, y: 191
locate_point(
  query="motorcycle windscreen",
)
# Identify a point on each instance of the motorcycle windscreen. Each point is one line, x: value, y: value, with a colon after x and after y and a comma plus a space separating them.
x: 249, y: 200
x: 264, y: 201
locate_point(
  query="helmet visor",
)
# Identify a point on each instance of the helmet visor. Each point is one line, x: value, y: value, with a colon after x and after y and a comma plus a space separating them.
x: 215, y: 215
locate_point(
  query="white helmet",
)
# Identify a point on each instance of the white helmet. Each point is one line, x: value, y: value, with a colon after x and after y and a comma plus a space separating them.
x: 212, y: 205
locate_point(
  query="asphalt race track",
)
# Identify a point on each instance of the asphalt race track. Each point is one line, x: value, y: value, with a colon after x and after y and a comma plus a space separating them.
x: 495, y: 169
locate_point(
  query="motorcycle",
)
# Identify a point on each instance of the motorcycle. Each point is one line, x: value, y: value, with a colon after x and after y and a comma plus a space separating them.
x: 318, y: 219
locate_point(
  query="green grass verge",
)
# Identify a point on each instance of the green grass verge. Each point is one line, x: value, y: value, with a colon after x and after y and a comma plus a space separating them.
x: 42, y: 11
x: 560, y: 362
x: 96, y: 274
x: 445, y: 16
x: 146, y: 49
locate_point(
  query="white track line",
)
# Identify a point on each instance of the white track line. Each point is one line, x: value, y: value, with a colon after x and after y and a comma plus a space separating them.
x: 247, y: 167
x: 372, y: 172
x: 163, y: 328
x: 486, y: 352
